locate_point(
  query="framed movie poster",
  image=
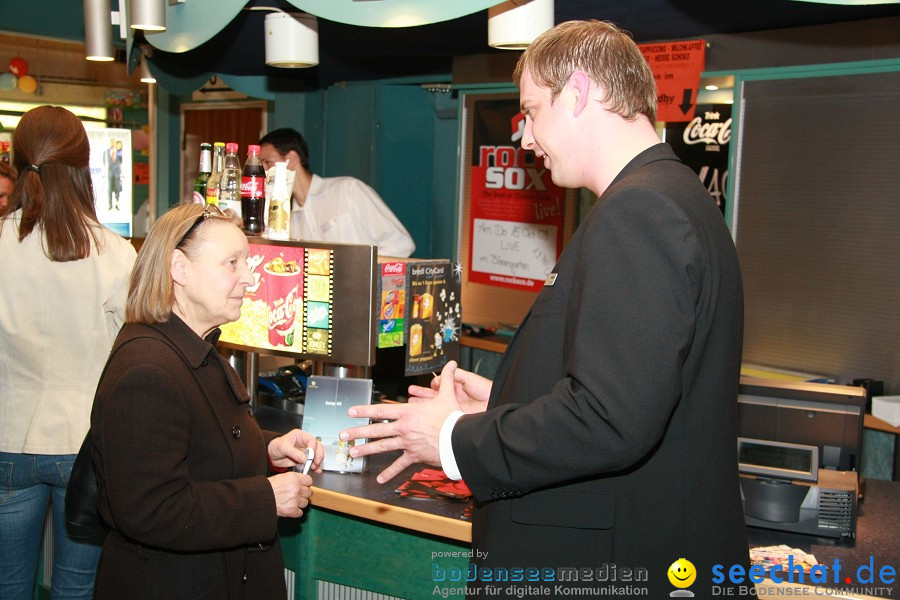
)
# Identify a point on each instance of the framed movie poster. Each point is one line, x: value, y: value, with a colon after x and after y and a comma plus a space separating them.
x: 112, y: 177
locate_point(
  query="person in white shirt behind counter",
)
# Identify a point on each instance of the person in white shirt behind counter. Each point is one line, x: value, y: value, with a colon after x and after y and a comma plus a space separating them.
x: 333, y: 209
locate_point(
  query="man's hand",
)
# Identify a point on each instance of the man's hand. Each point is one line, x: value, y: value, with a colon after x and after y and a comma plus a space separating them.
x: 414, y: 428
x: 472, y: 391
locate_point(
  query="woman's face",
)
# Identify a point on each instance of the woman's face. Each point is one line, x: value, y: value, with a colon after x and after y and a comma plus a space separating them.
x: 6, y: 188
x: 210, y: 289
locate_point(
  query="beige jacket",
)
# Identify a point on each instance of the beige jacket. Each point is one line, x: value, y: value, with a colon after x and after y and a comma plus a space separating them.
x: 58, y: 322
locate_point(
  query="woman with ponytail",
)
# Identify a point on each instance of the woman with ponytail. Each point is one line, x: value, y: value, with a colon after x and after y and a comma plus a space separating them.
x: 62, y: 302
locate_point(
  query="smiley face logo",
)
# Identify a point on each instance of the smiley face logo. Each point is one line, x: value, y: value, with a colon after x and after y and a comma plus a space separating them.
x: 682, y: 573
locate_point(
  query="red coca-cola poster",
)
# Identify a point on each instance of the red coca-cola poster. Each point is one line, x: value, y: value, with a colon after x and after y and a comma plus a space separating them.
x: 516, y: 218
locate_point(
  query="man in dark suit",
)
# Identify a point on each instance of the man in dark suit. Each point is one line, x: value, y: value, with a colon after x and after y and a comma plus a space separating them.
x: 608, y: 440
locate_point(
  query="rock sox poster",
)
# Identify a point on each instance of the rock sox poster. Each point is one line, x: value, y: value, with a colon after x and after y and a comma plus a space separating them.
x: 516, y: 221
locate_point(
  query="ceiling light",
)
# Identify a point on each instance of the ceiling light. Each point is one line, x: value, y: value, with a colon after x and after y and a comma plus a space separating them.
x: 292, y: 40
x: 513, y: 25
x: 852, y: 2
x: 98, y: 30
x: 149, y: 15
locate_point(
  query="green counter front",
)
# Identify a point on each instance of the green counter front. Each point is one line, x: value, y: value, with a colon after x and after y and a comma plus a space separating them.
x: 359, y: 535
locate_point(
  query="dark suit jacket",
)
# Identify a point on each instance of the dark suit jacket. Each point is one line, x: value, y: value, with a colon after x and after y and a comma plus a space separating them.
x: 182, y: 467
x: 610, y: 437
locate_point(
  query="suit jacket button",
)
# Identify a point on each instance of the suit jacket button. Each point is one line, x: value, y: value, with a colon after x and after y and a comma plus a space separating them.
x: 204, y: 363
x: 236, y: 432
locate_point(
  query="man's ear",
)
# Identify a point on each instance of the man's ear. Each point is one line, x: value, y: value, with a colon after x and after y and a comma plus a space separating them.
x: 293, y: 160
x: 580, y: 84
x: 178, y: 267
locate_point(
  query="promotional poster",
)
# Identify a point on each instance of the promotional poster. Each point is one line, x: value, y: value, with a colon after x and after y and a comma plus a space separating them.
x: 702, y: 144
x: 112, y: 177
x: 289, y: 306
x: 325, y: 415
x: 516, y: 221
x: 392, y: 307
x: 433, y: 315
x: 676, y: 69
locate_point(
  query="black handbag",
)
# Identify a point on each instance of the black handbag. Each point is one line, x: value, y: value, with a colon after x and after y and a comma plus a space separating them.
x: 83, y: 520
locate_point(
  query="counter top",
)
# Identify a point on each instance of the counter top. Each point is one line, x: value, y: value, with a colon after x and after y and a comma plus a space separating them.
x: 359, y: 495
x: 870, y: 421
x: 492, y: 343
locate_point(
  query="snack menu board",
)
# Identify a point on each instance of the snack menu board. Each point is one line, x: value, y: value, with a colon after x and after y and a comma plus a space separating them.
x: 316, y: 301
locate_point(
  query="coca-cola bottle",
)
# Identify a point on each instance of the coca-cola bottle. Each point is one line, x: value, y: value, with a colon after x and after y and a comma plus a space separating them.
x: 230, y: 184
x: 253, y: 192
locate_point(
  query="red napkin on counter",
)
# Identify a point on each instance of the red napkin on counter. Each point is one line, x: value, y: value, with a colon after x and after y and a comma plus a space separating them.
x: 434, y: 483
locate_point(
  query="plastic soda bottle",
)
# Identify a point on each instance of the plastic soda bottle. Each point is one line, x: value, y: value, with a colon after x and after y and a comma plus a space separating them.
x: 230, y: 184
x: 253, y: 192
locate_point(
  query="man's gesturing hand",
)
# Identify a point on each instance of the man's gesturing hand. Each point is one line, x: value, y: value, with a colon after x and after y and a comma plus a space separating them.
x: 413, y: 428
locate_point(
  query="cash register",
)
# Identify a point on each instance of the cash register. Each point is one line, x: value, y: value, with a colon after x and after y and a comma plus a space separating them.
x: 799, y: 455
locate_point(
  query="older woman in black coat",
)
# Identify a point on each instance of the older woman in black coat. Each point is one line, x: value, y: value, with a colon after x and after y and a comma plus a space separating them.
x: 185, y: 472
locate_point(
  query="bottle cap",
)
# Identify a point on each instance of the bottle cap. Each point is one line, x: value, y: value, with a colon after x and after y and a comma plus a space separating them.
x: 231, y: 147
x: 253, y: 149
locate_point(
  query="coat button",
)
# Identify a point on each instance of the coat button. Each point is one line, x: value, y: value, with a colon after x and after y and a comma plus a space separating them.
x: 236, y: 432
x: 204, y: 363
x: 244, y: 578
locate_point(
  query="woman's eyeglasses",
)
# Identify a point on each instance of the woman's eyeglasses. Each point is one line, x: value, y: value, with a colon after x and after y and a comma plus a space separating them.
x: 208, y: 212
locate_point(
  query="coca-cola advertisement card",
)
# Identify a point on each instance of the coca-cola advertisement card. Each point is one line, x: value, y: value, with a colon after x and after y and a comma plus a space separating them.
x: 392, y: 307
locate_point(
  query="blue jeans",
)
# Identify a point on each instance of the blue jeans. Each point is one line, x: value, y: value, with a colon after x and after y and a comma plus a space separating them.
x: 27, y: 482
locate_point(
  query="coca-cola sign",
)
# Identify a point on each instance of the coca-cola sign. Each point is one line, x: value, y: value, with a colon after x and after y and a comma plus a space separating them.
x: 699, y: 131
x: 702, y: 144
x: 393, y: 268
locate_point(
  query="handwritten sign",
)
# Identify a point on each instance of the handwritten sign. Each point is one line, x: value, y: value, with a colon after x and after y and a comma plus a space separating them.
x: 513, y: 252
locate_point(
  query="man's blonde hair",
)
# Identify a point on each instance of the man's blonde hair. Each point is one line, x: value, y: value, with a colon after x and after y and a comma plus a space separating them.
x: 606, y: 53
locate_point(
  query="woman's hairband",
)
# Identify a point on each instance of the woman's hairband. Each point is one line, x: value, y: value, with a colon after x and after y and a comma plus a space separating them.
x: 35, y: 168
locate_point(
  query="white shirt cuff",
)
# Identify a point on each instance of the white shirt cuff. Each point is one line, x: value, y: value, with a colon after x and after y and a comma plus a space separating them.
x: 445, y: 445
